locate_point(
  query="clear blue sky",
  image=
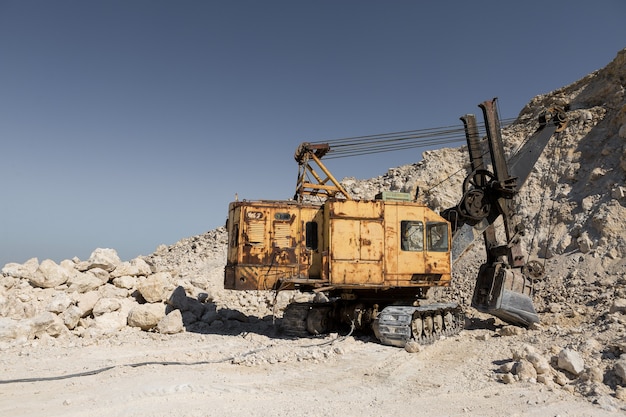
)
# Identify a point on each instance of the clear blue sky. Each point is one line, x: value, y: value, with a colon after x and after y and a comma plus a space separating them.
x: 127, y: 124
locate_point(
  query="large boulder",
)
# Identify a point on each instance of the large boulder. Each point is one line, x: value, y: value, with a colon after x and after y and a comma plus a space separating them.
x: 106, y: 305
x: 47, y: 323
x: 125, y: 281
x: 172, y: 323
x: 104, y: 258
x: 146, y: 316
x: 14, y: 330
x: 49, y: 275
x: 134, y: 268
x: 571, y: 361
x: 21, y: 271
x: 83, y: 282
x: 110, y: 322
x: 191, y: 307
x: 59, y: 303
x: 86, y: 302
x: 71, y: 317
x: 153, y: 288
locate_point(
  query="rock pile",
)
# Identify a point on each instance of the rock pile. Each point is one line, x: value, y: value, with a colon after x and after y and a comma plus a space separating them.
x: 97, y: 296
x: 177, y: 288
x: 573, y: 368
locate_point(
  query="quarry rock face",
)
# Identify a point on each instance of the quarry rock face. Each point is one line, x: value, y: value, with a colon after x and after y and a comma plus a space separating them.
x: 573, y: 206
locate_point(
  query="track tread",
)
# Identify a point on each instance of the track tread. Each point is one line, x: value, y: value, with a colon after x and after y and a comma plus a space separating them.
x: 294, y: 319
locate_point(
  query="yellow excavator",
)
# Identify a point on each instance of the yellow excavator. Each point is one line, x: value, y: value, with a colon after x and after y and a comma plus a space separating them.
x: 374, y: 260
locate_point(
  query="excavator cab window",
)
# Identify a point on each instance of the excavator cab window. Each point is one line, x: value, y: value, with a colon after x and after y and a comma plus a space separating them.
x: 234, y: 239
x: 412, y: 233
x: 311, y: 235
x: 437, y: 236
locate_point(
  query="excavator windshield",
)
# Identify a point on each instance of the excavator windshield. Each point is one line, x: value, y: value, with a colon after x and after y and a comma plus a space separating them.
x: 437, y: 236
x: 412, y: 235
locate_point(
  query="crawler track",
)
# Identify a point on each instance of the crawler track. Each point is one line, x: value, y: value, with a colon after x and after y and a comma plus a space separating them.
x: 395, y: 325
x: 294, y: 319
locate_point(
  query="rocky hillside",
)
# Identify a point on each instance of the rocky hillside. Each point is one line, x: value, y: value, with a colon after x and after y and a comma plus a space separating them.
x: 574, y: 206
x: 574, y: 202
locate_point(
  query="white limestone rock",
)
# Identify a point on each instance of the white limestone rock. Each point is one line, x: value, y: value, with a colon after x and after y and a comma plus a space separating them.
x: 17, y: 306
x: 71, y: 317
x: 59, y: 303
x: 47, y: 323
x: 153, y: 288
x: 104, y: 258
x: 146, y: 316
x: 83, y: 282
x: 14, y: 330
x: 413, y: 347
x: 525, y: 371
x: 110, y: 322
x: 571, y: 361
x: 49, y: 275
x: 134, y: 268
x: 101, y: 274
x: 106, y: 305
x: 87, y: 301
x: 172, y: 323
x: 125, y: 281
x: 540, y: 363
x: 111, y: 291
x: 21, y: 271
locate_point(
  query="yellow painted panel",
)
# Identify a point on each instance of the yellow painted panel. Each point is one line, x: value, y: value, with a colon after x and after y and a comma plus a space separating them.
x: 437, y: 262
x: 344, y: 239
x: 357, y: 209
x: 356, y: 273
x: 371, y: 241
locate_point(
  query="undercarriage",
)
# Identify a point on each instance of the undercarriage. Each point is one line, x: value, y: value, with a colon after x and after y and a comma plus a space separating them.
x: 394, y: 325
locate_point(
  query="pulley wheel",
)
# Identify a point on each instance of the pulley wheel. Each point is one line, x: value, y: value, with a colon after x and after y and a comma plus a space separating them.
x: 478, y: 179
x: 475, y: 204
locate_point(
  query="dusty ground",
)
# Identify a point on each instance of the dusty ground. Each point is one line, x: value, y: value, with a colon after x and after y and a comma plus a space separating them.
x: 259, y: 373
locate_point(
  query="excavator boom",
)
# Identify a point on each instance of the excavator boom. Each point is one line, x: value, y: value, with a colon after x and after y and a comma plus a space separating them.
x: 504, y: 284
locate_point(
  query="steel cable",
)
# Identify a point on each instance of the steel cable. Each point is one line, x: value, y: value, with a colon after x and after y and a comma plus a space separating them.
x: 396, y: 141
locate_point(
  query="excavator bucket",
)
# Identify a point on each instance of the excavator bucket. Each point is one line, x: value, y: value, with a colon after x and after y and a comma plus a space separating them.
x: 504, y: 287
x: 505, y: 293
